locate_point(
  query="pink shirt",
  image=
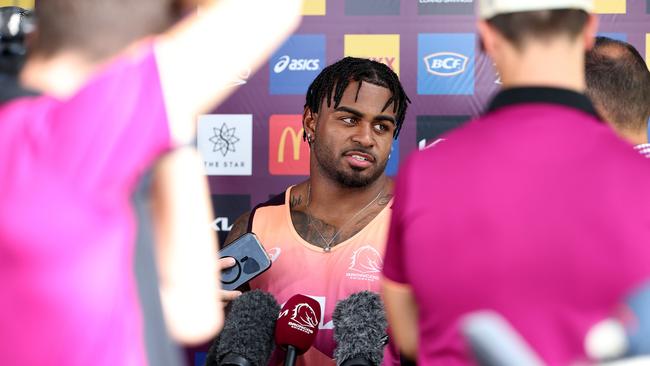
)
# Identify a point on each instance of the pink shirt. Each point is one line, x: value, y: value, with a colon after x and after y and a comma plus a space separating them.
x: 67, y: 171
x: 302, y: 268
x: 536, y: 211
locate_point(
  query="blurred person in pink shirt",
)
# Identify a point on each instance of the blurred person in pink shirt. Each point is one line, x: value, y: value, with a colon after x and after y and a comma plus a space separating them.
x: 536, y: 211
x: 70, y: 160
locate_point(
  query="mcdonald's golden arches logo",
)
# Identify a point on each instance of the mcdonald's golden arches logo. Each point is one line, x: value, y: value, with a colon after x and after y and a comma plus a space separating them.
x: 288, y: 154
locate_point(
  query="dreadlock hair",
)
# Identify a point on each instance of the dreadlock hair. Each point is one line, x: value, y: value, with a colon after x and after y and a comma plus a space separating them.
x: 334, y: 79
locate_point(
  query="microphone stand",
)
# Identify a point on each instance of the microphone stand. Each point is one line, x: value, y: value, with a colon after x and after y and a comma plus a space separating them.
x: 292, y: 354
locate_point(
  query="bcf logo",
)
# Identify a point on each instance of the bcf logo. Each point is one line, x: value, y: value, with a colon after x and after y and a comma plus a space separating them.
x: 296, y: 64
x: 446, y: 63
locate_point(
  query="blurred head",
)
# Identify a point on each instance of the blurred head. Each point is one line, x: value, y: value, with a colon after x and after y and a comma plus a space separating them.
x: 515, y: 25
x: 489, y: 9
x: 618, y: 83
x: 98, y: 29
x: 354, y: 109
x: 538, y: 42
x: 542, y: 25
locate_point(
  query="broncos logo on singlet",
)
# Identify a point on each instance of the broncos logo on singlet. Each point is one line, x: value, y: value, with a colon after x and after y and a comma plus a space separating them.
x: 274, y: 253
x: 366, y: 260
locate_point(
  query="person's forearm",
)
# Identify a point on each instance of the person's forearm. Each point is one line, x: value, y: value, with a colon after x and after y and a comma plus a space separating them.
x: 402, y: 315
x: 186, y: 248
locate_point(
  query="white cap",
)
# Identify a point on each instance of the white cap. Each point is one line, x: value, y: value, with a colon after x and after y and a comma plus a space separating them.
x: 490, y: 8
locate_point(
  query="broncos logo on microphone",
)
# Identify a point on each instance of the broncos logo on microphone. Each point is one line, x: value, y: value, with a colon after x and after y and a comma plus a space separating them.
x: 304, y: 315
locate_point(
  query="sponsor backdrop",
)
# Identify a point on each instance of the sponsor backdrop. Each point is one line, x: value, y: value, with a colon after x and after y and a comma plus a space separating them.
x: 252, y: 144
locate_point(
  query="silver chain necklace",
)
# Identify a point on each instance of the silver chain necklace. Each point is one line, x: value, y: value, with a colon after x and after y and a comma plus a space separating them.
x: 328, y: 243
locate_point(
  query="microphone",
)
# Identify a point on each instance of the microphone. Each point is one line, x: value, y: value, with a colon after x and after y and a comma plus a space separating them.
x: 627, y: 334
x: 360, y: 330
x: 495, y: 343
x: 297, y: 326
x: 247, y: 335
x: 635, y: 361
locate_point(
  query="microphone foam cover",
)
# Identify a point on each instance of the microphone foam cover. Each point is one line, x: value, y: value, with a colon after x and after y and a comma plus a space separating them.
x: 360, y: 328
x: 248, y: 328
x: 297, y: 324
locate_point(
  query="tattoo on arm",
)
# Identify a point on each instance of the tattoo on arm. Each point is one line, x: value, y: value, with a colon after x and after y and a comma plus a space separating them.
x: 239, y: 228
x: 295, y: 201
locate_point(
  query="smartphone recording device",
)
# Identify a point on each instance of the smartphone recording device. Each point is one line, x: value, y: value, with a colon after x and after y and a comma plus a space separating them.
x: 251, y: 261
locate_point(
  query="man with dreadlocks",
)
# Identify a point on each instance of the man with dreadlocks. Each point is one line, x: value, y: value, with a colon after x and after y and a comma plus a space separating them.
x: 327, y: 234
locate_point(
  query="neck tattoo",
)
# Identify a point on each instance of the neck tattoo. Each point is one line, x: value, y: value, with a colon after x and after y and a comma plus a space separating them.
x: 328, y: 243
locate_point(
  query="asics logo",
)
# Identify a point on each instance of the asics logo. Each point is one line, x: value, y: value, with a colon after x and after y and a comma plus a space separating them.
x: 293, y: 64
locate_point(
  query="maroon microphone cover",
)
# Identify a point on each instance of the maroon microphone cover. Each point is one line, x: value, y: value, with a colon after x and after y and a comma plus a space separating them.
x: 297, y: 323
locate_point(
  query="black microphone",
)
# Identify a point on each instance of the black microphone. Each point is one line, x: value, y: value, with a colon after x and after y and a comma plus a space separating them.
x: 360, y: 330
x: 247, y: 335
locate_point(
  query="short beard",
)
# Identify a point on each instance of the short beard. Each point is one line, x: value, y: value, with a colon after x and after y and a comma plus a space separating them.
x: 345, y: 179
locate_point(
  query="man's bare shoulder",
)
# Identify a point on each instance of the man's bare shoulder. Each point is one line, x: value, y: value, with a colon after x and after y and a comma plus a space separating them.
x: 239, y: 228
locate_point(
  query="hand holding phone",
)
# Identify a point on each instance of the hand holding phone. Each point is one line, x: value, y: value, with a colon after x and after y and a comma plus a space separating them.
x: 251, y: 261
x: 226, y: 296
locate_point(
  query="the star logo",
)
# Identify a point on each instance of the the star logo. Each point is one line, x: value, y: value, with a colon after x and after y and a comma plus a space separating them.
x: 224, y: 139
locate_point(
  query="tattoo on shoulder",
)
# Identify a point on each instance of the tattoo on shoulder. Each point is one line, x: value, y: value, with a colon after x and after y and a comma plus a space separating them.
x: 295, y: 201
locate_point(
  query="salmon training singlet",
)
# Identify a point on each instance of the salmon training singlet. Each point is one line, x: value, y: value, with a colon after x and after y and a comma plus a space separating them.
x: 302, y: 268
